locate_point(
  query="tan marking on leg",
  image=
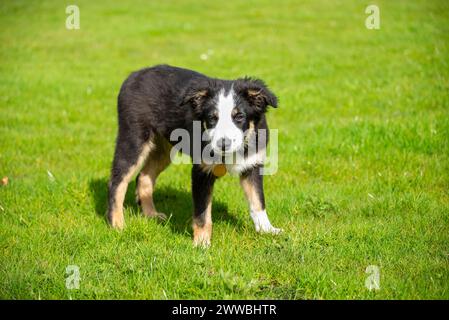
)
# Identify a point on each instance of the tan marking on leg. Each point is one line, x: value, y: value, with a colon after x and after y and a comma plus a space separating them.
x: 251, y: 194
x: 157, y: 161
x: 117, y: 219
x: 203, y: 234
x: 147, y: 181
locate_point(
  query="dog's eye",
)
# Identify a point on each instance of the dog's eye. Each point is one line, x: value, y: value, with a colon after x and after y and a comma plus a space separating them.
x: 239, y: 117
x: 212, y: 118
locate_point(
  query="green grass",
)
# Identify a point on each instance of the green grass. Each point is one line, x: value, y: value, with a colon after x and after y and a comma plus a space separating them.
x: 363, y: 151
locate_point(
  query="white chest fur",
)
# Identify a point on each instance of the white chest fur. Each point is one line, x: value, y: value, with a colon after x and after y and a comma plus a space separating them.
x: 246, y: 163
x: 240, y: 163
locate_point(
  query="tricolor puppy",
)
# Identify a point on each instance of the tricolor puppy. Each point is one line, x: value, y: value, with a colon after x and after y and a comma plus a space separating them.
x: 153, y: 102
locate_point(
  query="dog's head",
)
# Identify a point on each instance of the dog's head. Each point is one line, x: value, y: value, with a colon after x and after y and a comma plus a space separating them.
x: 227, y: 108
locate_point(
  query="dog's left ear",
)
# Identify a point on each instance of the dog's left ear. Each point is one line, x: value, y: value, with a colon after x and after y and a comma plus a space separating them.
x: 256, y: 93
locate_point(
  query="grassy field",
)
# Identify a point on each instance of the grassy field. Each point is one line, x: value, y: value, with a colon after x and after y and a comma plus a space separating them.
x: 363, y: 151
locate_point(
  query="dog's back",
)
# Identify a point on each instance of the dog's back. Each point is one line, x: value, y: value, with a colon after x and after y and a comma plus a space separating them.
x: 149, y: 99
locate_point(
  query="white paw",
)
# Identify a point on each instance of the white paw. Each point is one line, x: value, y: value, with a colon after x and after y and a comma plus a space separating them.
x: 270, y: 230
x: 262, y: 223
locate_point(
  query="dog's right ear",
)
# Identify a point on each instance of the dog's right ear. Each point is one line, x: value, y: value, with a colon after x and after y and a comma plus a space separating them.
x: 196, y: 96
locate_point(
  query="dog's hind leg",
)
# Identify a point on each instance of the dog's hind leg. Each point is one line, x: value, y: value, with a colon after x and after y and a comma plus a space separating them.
x: 128, y: 158
x: 157, y: 161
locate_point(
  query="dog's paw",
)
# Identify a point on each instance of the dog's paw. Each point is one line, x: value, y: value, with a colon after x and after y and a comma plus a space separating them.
x: 115, y: 218
x: 201, y: 239
x: 201, y: 243
x: 157, y: 215
x: 161, y: 216
x: 117, y: 223
x: 269, y: 229
x: 262, y: 223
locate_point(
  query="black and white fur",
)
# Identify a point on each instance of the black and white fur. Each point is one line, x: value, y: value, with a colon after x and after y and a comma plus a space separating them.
x: 155, y: 101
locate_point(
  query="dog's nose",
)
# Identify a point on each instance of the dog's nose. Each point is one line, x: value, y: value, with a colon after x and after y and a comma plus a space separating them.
x: 224, y: 144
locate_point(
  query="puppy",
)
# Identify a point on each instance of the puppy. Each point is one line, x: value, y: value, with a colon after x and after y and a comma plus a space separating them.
x: 155, y: 102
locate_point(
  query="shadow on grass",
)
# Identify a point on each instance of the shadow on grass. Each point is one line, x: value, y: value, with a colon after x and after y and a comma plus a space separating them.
x: 172, y: 202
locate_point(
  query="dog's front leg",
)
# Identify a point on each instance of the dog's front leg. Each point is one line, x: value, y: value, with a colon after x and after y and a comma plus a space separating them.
x: 252, y: 183
x: 202, y: 187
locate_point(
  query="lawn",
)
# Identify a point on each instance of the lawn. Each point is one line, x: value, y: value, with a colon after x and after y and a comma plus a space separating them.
x: 363, y: 175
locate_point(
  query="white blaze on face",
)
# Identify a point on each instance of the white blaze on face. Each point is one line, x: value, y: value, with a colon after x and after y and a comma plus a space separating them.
x: 226, y: 127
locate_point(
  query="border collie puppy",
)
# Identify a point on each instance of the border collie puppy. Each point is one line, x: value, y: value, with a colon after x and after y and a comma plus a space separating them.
x: 152, y: 103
